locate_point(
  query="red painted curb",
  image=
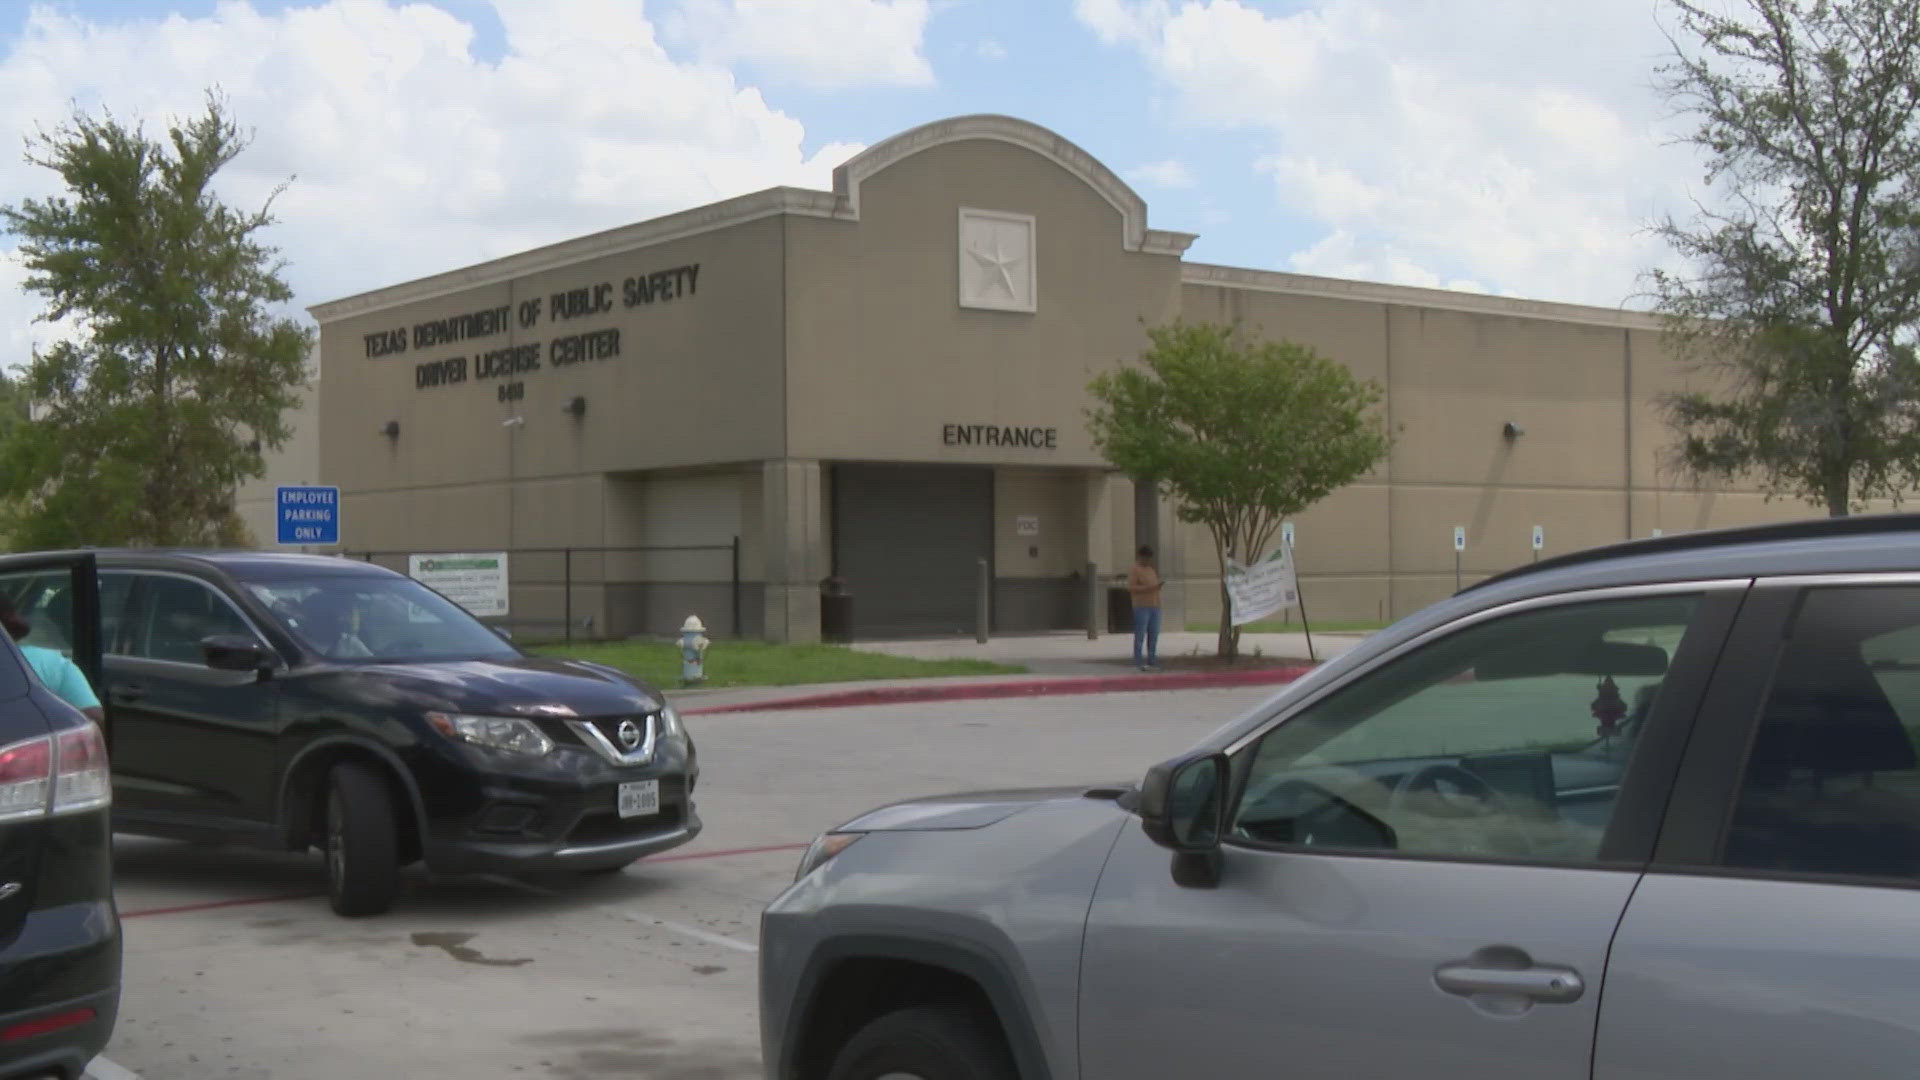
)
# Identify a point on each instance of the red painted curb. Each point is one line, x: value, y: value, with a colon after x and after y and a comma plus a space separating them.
x: 211, y: 905
x: 1099, y: 684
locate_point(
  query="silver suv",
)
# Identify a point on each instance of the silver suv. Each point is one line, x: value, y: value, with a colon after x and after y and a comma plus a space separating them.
x: 1651, y: 810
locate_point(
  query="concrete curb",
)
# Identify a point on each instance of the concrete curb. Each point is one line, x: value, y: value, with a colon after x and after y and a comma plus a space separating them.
x: 1100, y: 684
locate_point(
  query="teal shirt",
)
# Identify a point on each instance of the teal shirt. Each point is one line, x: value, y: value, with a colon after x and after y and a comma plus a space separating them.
x: 61, y: 675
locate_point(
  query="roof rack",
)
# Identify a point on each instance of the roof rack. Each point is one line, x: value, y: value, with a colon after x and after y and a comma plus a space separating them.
x: 1811, y: 529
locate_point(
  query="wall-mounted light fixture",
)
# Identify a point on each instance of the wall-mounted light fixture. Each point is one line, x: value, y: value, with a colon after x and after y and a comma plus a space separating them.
x: 1511, y: 430
x: 391, y: 429
x: 575, y: 408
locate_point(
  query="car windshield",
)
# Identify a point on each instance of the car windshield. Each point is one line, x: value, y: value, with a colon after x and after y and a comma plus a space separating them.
x: 379, y: 618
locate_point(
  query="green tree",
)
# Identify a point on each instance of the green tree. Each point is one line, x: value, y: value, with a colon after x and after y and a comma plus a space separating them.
x: 1802, y: 291
x: 13, y: 414
x: 1242, y: 433
x: 177, y: 374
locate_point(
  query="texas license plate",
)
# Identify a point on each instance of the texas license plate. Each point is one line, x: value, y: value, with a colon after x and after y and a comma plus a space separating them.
x: 639, y: 797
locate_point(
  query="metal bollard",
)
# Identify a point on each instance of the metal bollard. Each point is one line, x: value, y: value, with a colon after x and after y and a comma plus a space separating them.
x: 1093, y: 602
x: 982, y: 609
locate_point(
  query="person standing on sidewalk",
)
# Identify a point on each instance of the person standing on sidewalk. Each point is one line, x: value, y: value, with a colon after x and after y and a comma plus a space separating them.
x: 1143, y: 582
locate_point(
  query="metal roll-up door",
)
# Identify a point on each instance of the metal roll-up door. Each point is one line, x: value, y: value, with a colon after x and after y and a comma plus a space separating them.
x: 907, y: 541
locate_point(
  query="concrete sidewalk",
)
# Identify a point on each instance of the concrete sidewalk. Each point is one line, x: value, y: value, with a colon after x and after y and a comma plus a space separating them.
x: 1054, y: 662
x: 1071, y: 653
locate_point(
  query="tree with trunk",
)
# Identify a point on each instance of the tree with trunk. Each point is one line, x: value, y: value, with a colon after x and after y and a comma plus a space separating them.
x: 1242, y: 433
x: 1802, y: 289
x: 172, y: 374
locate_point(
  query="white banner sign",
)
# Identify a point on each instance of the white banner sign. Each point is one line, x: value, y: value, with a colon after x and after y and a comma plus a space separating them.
x: 476, y: 581
x: 1268, y: 586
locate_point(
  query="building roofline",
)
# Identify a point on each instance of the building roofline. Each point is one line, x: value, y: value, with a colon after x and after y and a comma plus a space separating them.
x: 701, y: 219
x: 1234, y: 277
x: 842, y: 203
x: 1057, y: 148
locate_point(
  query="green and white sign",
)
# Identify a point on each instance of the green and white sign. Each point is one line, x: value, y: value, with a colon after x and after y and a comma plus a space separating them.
x: 476, y: 581
x: 1267, y: 586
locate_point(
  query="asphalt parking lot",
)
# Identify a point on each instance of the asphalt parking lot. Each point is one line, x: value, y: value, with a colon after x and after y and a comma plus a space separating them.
x: 236, y: 969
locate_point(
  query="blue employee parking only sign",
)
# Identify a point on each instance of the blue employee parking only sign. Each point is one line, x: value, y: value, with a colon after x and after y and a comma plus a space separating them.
x: 308, y: 515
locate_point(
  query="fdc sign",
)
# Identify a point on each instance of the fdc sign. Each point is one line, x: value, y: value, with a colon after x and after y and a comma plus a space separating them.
x: 308, y: 515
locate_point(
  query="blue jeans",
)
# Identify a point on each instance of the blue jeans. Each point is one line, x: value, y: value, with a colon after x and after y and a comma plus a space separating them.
x: 1146, y: 631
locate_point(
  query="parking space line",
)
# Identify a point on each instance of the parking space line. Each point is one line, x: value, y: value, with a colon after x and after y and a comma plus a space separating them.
x: 694, y: 932
x: 211, y: 905
x: 499, y: 879
x: 102, y: 1069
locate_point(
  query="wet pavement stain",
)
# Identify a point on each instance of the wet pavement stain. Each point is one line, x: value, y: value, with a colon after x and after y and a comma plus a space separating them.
x: 455, y: 945
x: 629, y: 1052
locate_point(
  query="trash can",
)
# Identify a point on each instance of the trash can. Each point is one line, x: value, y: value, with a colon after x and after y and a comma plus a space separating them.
x: 836, y: 612
x: 1119, y: 610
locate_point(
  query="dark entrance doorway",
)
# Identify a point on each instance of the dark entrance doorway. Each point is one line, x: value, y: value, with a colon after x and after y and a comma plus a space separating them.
x: 907, y: 540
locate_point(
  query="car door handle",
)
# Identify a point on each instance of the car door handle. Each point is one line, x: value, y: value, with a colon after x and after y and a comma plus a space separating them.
x: 129, y: 693
x: 1549, y: 984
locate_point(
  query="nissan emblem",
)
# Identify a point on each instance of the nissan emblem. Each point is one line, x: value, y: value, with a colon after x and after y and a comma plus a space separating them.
x: 629, y: 733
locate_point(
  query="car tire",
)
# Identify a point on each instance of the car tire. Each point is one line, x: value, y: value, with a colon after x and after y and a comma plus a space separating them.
x: 361, y: 842
x: 935, y: 1043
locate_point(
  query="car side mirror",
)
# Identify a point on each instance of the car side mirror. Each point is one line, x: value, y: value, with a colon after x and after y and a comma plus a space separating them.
x: 235, y: 652
x: 1183, y: 803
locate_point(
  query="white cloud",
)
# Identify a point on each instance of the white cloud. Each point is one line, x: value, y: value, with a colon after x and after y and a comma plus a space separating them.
x: 822, y: 44
x: 410, y: 156
x: 1162, y: 174
x: 989, y: 49
x: 1499, y: 142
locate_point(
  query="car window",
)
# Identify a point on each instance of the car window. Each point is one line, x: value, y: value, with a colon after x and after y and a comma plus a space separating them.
x: 379, y: 618
x: 1508, y: 739
x: 1832, y: 780
x: 44, y: 599
x: 175, y: 615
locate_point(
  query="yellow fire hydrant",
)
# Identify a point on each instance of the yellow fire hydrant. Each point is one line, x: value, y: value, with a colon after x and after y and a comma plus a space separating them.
x: 693, y: 651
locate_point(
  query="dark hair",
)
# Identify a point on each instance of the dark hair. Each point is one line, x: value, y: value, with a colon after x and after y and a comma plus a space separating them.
x: 16, y: 626
x: 1146, y: 551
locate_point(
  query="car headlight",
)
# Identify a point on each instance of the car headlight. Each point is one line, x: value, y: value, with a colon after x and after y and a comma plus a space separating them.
x: 509, y: 733
x: 823, y: 849
x: 670, y: 725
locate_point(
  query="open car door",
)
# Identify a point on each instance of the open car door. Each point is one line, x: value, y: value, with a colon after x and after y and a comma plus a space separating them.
x: 59, y: 597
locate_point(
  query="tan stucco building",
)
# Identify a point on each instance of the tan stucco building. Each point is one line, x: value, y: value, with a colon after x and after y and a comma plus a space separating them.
x: 886, y: 382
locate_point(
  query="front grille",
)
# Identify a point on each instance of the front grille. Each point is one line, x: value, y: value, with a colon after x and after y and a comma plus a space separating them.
x: 602, y: 735
x: 610, y: 725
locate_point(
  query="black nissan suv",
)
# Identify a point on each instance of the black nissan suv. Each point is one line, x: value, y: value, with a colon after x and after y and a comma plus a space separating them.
x: 59, y: 934
x: 293, y: 701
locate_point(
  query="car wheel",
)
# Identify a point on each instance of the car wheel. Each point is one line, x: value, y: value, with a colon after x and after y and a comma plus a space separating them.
x: 362, y: 844
x: 925, y: 1044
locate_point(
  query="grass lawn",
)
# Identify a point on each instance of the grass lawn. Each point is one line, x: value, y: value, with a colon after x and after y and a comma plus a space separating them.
x: 1274, y: 626
x: 760, y: 663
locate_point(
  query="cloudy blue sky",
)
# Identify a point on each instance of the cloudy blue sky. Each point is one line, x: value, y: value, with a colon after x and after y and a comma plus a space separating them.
x: 1509, y: 146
